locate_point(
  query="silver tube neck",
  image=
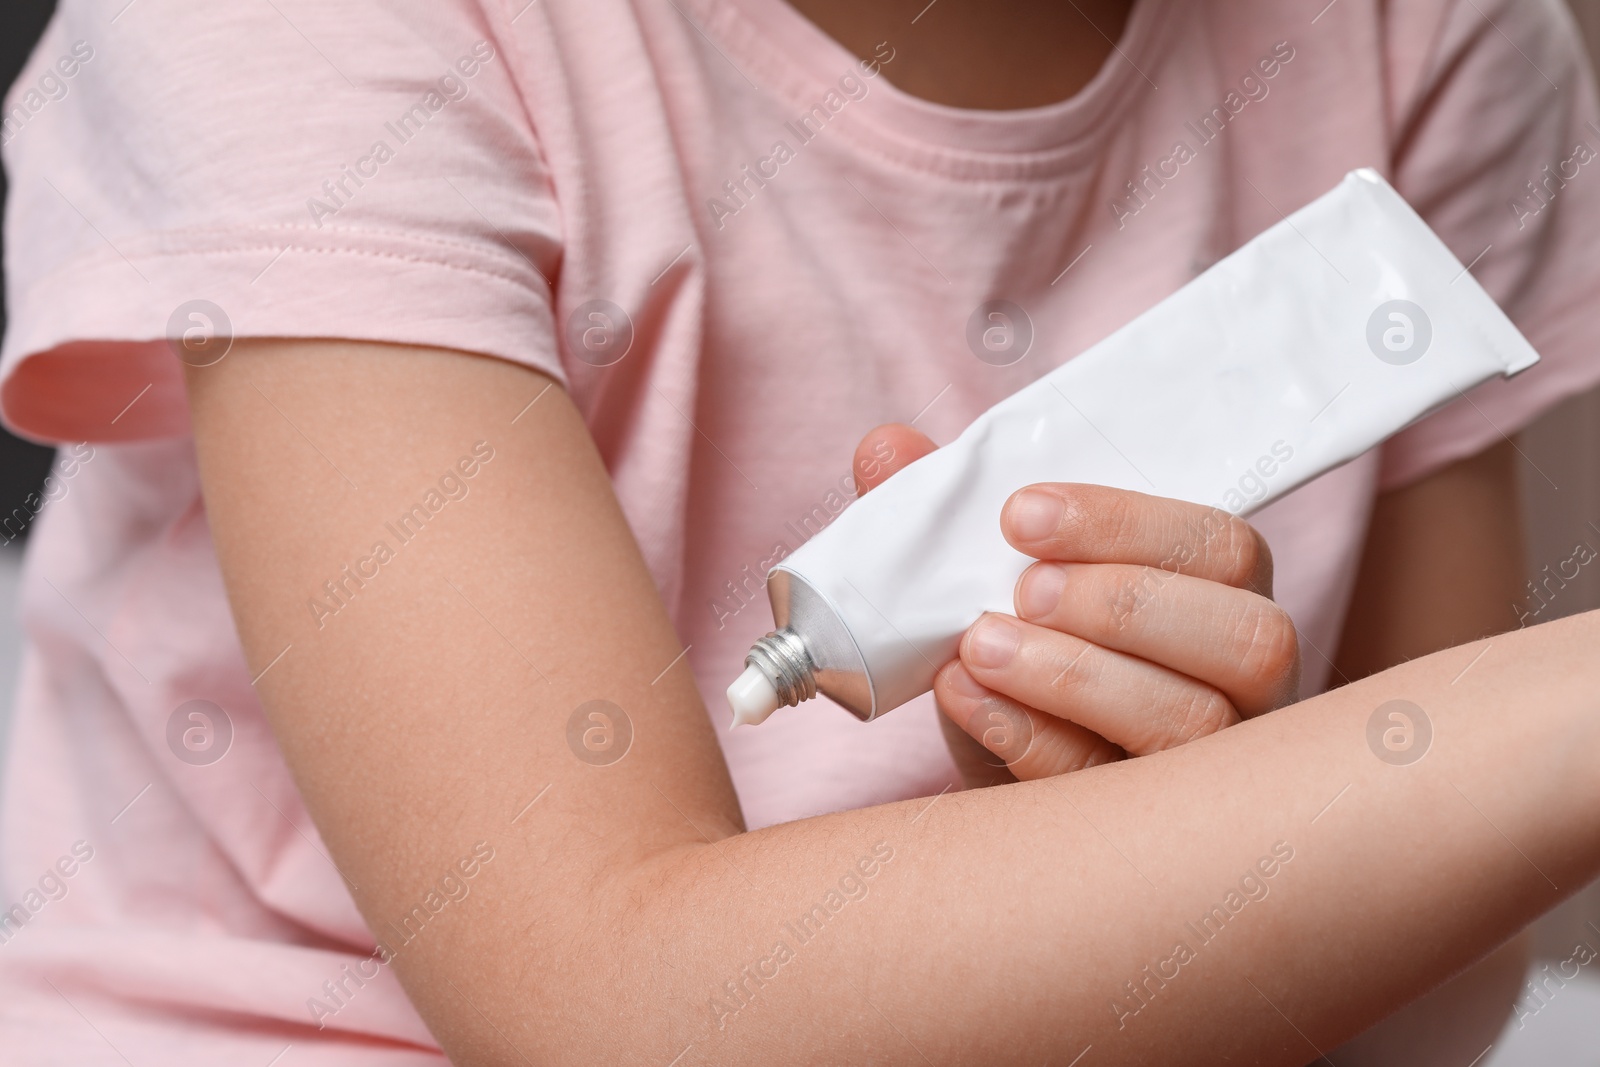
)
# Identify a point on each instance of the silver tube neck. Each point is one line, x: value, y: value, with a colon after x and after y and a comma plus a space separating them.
x: 782, y: 657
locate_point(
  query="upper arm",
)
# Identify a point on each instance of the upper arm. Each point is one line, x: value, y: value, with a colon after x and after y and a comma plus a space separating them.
x: 426, y: 702
x: 1442, y: 565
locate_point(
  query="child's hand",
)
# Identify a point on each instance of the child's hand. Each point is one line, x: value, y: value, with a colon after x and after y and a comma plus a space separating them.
x: 1147, y: 623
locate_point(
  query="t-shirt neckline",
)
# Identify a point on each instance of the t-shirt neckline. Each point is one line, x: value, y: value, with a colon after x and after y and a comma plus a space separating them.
x: 797, y: 57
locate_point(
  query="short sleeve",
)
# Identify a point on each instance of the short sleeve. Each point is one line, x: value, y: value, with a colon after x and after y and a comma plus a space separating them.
x: 182, y: 174
x: 1496, y: 145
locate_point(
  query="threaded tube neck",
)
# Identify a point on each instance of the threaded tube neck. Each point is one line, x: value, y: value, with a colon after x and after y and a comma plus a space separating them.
x: 782, y: 657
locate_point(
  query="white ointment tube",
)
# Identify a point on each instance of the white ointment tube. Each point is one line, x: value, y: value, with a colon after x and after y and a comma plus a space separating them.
x: 1308, y: 346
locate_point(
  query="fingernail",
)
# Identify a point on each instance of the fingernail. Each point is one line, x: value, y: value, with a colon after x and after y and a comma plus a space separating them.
x: 1034, y: 515
x: 1041, y: 591
x: 992, y: 642
x: 963, y: 696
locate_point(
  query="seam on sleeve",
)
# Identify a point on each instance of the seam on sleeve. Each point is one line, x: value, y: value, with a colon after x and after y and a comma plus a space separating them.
x: 221, y: 250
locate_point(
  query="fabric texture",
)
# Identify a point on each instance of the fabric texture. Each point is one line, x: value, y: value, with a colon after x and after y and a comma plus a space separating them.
x: 738, y: 247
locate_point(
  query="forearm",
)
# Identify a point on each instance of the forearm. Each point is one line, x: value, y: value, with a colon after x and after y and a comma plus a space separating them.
x: 1410, y: 600
x: 1008, y: 920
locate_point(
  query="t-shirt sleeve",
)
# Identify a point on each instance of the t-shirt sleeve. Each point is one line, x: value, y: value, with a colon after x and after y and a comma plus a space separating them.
x: 1496, y: 144
x: 183, y: 174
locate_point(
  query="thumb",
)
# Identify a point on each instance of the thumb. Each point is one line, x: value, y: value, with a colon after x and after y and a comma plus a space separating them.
x: 885, y: 450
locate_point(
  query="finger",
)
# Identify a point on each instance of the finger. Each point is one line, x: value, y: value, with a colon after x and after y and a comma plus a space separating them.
x: 1095, y: 524
x: 885, y: 450
x: 1140, y: 706
x: 979, y: 767
x: 1030, y: 744
x: 1233, y: 639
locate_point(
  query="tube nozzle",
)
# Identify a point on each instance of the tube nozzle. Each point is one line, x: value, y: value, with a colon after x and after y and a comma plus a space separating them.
x: 778, y: 673
x: 752, y: 698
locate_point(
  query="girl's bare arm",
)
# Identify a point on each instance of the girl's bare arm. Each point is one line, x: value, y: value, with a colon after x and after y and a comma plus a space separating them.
x: 1410, y: 600
x: 1256, y: 896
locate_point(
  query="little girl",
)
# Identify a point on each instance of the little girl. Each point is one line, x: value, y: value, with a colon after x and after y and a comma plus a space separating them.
x: 453, y: 372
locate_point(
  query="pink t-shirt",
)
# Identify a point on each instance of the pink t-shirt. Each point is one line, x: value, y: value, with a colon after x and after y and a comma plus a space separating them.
x: 797, y: 248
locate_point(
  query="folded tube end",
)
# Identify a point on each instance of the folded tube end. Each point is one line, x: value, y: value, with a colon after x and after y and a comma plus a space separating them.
x: 752, y: 697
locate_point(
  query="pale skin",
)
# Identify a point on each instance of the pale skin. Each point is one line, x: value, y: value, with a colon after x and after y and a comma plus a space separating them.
x: 424, y: 718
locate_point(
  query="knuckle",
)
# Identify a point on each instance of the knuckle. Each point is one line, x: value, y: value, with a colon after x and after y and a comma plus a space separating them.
x: 1127, y: 592
x: 1077, y: 516
x: 1103, y: 523
x: 1073, y: 679
x: 1063, y: 751
x: 1101, y: 751
x: 1122, y: 602
x: 1007, y: 731
x: 1268, y: 647
x: 1122, y: 523
x: 1201, y: 712
x: 1260, y: 574
x: 1239, y: 550
x: 1193, y: 529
